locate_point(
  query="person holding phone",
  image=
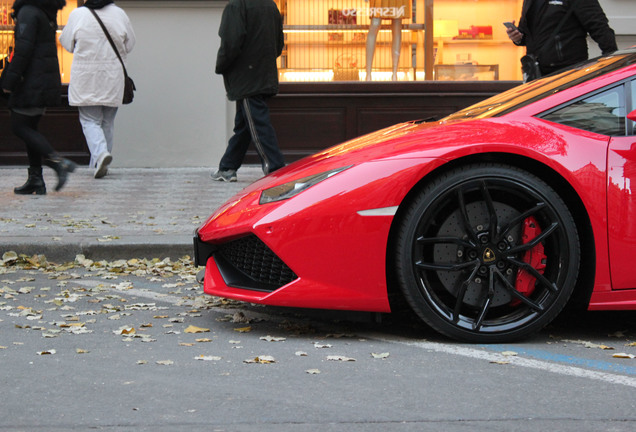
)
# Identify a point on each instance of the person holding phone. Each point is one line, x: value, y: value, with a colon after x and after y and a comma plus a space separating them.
x: 574, y: 20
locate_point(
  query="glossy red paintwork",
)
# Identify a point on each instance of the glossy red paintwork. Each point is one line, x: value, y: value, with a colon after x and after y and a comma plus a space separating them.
x: 340, y: 256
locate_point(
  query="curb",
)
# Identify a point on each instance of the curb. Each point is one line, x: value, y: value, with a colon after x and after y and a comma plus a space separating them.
x: 131, y: 247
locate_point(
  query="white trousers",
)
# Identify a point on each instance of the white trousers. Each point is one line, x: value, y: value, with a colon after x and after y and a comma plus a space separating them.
x: 98, y: 124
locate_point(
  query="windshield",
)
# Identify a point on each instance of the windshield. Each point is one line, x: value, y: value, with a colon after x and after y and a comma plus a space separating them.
x: 525, y: 94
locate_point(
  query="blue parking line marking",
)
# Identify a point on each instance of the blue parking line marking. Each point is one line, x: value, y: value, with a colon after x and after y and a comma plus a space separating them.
x: 605, y: 366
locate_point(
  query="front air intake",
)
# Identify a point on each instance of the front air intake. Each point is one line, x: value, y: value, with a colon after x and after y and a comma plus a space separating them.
x: 248, y: 263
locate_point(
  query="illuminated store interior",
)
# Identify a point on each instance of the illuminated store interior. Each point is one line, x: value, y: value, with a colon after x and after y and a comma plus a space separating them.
x: 376, y: 40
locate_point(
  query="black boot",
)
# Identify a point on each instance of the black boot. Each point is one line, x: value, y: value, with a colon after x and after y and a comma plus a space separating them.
x: 34, y: 185
x: 62, y: 167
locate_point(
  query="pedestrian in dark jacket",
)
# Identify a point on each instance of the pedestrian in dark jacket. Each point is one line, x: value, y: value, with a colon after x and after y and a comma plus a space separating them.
x: 540, y: 19
x: 251, y: 34
x: 33, y: 83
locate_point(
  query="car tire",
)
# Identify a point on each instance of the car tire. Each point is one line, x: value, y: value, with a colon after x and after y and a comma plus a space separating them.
x: 487, y: 253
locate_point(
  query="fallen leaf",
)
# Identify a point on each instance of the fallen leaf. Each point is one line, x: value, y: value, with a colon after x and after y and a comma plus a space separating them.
x: 194, y: 329
x: 125, y: 330
x: 313, y: 371
x: 380, y: 356
x: 261, y: 360
x: 301, y: 353
x: 81, y: 351
x: 624, y: 356
x: 501, y: 362
x: 269, y: 338
x: 203, y: 340
x: 49, y: 352
x: 79, y: 330
x: 340, y: 358
x: 208, y: 358
x: 588, y: 344
x: 66, y: 325
x: 321, y: 345
x: 9, y: 257
x: 243, y: 329
x: 165, y: 362
x: 509, y: 353
x: 239, y: 317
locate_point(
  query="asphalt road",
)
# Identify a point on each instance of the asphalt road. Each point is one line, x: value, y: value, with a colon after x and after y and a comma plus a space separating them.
x: 137, y: 347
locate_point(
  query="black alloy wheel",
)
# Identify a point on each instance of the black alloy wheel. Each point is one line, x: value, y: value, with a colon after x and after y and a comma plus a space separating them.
x: 487, y: 254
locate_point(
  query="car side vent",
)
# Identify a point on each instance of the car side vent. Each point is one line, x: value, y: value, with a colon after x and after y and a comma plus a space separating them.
x: 248, y: 263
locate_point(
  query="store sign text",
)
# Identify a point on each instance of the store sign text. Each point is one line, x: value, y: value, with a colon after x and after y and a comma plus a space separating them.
x: 384, y: 12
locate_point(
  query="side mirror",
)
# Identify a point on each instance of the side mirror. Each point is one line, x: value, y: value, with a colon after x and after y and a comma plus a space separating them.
x: 632, y: 116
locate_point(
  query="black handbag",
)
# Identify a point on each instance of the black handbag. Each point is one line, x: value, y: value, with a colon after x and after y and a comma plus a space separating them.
x: 129, y: 84
x: 530, y: 68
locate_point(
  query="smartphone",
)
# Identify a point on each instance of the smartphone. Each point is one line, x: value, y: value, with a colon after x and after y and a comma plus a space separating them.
x: 510, y: 25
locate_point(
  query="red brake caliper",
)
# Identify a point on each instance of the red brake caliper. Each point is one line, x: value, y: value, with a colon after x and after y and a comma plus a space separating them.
x: 534, y: 257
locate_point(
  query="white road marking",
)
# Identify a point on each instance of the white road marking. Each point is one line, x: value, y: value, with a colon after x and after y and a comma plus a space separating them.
x: 432, y: 346
x: 523, y: 362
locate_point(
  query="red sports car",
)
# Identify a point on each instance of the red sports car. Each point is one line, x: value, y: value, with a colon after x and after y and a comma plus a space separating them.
x: 487, y: 222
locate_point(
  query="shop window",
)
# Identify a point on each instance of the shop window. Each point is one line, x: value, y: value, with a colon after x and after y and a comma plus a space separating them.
x: 331, y: 40
x: 386, y: 40
x: 477, y: 46
x: 6, y: 31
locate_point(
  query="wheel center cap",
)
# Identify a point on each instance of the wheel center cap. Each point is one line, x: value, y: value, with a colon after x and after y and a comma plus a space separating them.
x: 488, y: 255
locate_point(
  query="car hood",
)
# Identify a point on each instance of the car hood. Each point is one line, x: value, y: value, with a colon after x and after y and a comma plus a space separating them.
x: 376, y: 144
x: 433, y: 139
x: 413, y: 140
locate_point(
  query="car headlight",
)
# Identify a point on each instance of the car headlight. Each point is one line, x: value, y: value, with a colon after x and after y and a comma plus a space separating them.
x: 294, y: 187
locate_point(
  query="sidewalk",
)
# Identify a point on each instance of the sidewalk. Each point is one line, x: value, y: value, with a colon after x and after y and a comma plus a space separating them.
x: 130, y: 213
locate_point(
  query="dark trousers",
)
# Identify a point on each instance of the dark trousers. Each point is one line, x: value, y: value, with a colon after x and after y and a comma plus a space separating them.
x: 252, y: 124
x: 26, y: 128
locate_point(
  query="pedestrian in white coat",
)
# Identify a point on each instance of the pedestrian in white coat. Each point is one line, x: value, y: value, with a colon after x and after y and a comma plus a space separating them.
x: 97, y: 78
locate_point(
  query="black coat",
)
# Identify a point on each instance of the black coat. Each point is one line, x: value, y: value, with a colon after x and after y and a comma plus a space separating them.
x: 569, y: 46
x: 251, y: 34
x: 33, y: 76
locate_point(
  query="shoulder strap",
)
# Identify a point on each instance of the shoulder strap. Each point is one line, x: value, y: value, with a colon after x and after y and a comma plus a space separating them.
x: 557, y: 29
x: 564, y: 19
x: 110, y: 39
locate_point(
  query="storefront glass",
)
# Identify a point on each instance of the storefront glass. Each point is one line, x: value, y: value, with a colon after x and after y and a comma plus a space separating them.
x: 473, y: 44
x: 6, y: 31
x: 386, y: 40
x: 375, y: 40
